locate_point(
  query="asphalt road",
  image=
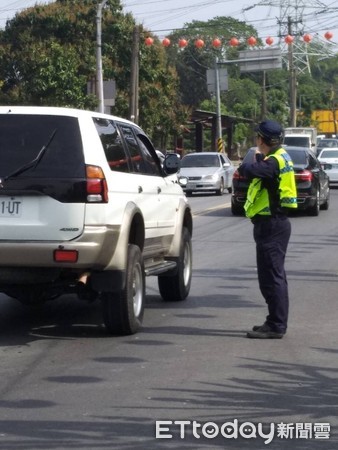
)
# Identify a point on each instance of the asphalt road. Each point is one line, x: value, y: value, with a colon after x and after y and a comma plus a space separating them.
x: 65, y: 384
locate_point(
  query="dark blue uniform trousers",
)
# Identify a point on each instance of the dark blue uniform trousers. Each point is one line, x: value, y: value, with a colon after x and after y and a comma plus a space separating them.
x: 272, y: 236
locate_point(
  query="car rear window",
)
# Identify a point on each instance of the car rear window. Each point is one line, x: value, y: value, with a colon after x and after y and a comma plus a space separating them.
x: 299, y: 157
x: 23, y: 136
x: 329, y: 154
x: 249, y: 158
x: 327, y: 143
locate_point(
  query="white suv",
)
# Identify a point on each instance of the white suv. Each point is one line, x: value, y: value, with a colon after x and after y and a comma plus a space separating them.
x: 86, y: 207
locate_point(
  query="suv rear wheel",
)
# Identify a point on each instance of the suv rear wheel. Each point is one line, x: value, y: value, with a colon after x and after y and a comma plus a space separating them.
x: 123, y: 310
x: 175, y: 286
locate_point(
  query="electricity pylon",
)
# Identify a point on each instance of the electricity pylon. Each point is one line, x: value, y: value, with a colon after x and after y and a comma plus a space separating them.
x: 294, y: 19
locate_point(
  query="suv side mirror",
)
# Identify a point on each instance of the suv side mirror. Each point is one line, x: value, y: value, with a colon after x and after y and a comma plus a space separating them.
x: 171, y: 163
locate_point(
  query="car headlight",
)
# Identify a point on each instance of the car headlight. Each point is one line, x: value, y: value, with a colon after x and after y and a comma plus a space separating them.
x: 183, y: 181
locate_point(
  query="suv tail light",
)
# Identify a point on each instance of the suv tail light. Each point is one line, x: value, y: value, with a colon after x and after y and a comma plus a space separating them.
x: 304, y: 175
x: 97, y: 190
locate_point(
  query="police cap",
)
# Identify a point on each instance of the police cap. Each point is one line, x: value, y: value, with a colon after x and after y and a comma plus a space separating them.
x: 270, y: 130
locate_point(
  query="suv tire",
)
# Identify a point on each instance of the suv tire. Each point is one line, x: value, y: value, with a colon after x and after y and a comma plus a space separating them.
x: 175, y: 285
x: 123, y: 310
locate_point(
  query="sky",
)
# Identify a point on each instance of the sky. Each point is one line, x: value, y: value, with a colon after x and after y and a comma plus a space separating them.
x: 163, y: 16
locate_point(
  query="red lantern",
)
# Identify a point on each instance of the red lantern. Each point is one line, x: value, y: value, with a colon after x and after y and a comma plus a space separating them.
x: 269, y: 40
x: 166, y: 42
x: 216, y: 43
x: 149, y: 41
x: 182, y: 43
x: 199, y: 43
x: 328, y: 35
x: 307, y: 38
x: 289, y: 39
x: 252, y: 41
x: 234, y: 42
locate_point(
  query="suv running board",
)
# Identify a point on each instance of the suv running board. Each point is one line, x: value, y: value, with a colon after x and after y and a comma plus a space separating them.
x: 163, y: 266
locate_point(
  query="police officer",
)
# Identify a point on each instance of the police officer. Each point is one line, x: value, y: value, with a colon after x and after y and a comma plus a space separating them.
x: 272, y: 192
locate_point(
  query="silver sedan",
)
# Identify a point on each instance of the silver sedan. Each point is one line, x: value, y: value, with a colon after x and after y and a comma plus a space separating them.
x: 328, y: 158
x: 206, y: 172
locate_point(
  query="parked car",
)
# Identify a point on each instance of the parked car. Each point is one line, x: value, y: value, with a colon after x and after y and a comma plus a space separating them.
x: 312, y: 182
x: 206, y: 172
x: 328, y: 158
x: 86, y: 208
x: 326, y: 143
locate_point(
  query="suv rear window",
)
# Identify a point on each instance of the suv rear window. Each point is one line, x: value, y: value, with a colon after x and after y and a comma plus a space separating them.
x: 23, y: 136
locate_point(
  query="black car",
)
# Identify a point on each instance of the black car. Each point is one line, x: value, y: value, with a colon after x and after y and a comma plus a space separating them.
x: 312, y: 182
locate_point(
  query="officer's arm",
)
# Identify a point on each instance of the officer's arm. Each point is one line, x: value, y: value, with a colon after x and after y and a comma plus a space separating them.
x: 263, y: 168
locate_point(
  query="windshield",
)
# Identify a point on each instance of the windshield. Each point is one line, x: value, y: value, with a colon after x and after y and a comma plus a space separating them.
x: 200, y: 161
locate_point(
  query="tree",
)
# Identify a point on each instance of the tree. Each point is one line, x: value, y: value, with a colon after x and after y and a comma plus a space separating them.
x: 49, y: 56
x: 192, y: 63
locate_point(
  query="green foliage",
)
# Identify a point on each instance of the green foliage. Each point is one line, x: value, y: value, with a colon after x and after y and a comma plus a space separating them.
x: 192, y: 63
x: 49, y: 55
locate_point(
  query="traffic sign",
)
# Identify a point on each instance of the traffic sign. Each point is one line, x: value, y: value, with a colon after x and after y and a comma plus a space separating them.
x: 212, y: 82
x: 259, y: 60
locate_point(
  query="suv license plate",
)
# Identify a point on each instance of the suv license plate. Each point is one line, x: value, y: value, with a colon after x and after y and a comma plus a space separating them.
x: 10, y: 206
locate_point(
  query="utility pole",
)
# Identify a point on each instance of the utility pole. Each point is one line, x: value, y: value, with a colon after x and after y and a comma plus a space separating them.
x: 218, y: 106
x: 134, y: 82
x: 264, y: 108
x: 99, y: 74
x: 293, y: 80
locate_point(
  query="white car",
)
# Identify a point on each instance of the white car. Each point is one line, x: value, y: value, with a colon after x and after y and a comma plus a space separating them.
x: 86, y: 208
x: 328, y: 157
x: 326, y: 143
x: 206, y: 172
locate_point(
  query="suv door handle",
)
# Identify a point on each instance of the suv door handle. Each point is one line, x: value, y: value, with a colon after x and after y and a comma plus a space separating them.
x: 159, y: 190
x: 140, y: 189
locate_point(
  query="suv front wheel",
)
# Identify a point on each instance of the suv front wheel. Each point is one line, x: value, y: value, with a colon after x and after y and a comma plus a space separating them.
x: 123, y: 310
x: 175, y: 285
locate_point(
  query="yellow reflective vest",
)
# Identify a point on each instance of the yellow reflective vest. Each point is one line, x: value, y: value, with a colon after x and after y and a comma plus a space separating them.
x: 257, y: 201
